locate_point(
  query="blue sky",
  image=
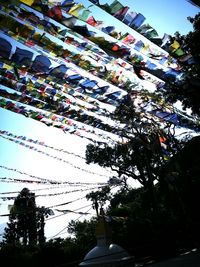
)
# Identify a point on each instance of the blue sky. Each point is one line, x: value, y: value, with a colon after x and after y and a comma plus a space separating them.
x: 166, y: 16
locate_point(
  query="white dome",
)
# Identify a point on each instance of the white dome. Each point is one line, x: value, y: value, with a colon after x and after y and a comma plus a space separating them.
x: 104, y: 254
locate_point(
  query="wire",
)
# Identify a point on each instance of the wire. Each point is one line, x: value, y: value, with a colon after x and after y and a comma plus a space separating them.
x: 58, y: 232
x: 62, y: 204
x: 67, y: 225
x: 37, y: 142
x: 83, y: 214
x: 54, y: 194
x: 66, y: 213
x: 51, y: 156
x: 34, y: 190
x: 48, y: 180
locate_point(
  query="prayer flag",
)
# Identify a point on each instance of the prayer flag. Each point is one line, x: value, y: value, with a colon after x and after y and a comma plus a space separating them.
x: 115, y: 6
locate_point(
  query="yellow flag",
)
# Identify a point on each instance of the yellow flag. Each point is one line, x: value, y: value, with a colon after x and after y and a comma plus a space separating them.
x: 27, y: 2
x: 74, y: 11
x: 174, y: 46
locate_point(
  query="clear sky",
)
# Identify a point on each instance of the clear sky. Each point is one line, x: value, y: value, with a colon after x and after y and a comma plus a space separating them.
x: 166, y: 16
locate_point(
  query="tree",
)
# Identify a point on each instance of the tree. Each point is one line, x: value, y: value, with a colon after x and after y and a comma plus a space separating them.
x: 26, y: 221
x: 99, y: 198
x: 177, y: 221
x: 143, y: 151
x: 84, y: 234
x: 182, y: 174
x: 187, y: 88
x: 22, y: 227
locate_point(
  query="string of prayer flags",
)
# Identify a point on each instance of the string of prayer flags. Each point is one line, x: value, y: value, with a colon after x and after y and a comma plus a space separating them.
x: 49, y: 155
x: 41, y: 68
x: 37, y: 142
x: 50, y: 181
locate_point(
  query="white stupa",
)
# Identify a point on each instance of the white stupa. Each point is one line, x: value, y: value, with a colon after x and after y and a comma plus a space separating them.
x: 105, y: 253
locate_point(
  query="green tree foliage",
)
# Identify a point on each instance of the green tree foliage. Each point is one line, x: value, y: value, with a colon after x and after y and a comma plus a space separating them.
x: 176, y: 224
x: 188, y: 87
x: 83, y: 233
x: 182, y: 180
x: 141, y: 155
x: 26, y: 221
x: 99, y: 198
x: 22, y: 227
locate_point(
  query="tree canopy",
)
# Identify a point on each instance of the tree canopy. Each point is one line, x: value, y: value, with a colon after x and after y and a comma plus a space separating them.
x: 187, y: 88
x: 26, y: 221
